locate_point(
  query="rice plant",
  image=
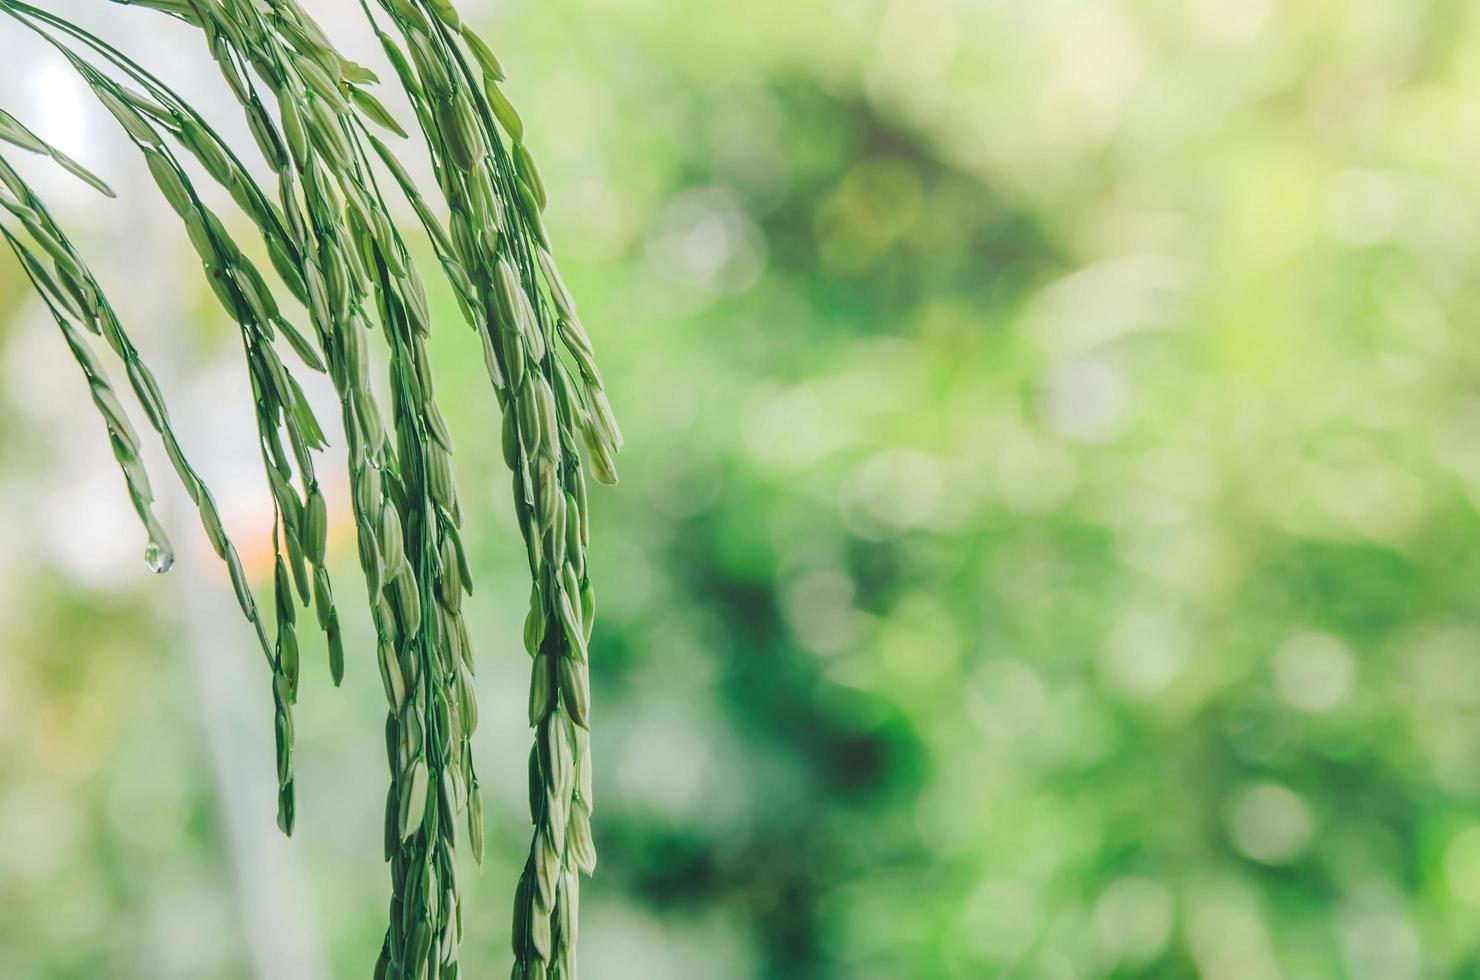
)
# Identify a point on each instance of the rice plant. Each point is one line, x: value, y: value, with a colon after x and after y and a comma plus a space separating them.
x: 346, y: 275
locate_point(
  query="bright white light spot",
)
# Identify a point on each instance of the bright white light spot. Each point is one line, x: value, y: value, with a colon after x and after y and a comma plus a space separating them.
x: 1085, y: 400
x: 1314, y: 672
x: 1002, y: 917
x: 1101, y: 57
x: 1365, y: 207
x: 1271, y: 824
x: 1378, y: 941
x: 919, y: 37
x: 706, y: 238
x: 891, y: 492
x: 1133, y: 918
x: 789, y: 427
x: 664, y: 764
x: 1006, y: 698
x: 1144, y: 652
x: 88, y: 528
x: 38, y: 831
x: 1235, y: 21
x: 818, y: 606
x: 58, y: 116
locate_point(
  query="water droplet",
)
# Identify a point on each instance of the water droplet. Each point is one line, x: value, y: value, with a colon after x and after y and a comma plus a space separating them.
x: 158, y: 557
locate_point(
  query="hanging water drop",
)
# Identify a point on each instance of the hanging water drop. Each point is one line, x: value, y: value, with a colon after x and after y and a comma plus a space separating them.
x: 158, y: 557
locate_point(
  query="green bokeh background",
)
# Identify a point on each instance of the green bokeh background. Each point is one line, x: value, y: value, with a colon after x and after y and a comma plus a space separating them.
x: 1045, y: 547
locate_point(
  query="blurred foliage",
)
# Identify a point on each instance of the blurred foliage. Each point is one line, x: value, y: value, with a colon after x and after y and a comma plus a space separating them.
x: 1045, y: 542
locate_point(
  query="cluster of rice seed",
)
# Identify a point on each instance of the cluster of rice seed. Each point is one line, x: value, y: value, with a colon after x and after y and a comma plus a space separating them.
x: 332, y: 242
x: 405, y: 500
x: 498, y: 255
